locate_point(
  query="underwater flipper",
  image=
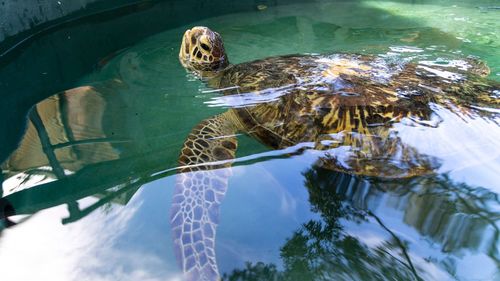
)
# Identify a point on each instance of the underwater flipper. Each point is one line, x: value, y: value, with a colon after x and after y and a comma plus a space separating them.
x: 199, y: 189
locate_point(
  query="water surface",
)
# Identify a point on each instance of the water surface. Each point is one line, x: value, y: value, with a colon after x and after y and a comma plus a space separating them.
x: 95, y: 205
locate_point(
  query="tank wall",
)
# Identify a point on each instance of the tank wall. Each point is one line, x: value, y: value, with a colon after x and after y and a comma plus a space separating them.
x: 20, y: 15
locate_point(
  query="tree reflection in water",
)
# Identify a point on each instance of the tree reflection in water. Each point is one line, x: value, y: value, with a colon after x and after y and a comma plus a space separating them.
x: 454, y: 216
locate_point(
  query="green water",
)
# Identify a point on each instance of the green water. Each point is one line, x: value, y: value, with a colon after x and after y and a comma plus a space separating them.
x: 102, y: 211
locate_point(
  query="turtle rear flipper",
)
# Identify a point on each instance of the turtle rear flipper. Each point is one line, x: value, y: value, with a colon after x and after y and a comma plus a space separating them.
x: 377, y: 154
x: 199, y: 189
x: 478, y: 67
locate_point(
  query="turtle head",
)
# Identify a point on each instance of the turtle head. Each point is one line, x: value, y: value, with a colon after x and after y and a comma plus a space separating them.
x: 202, y: 51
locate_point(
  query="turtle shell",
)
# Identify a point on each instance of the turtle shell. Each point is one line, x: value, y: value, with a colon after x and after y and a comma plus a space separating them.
x: 349, y: 101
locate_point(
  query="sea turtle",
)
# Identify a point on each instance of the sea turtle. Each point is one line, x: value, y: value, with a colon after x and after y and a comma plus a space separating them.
x: 343, y: 104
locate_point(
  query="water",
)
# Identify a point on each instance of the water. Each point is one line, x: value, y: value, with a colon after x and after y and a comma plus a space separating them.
x: 102, y: 211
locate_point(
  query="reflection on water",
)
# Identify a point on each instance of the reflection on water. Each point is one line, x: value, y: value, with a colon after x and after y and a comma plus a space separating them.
x: 327, y: 249
x: 101, y: 160
x: 67, y: 132
x: 81, y: 142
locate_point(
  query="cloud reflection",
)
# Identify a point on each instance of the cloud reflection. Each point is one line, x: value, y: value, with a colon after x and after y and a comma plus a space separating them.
x: 42, y: 248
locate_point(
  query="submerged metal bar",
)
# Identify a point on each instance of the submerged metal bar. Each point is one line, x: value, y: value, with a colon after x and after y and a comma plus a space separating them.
x: 63, y: 115
x: 87, y: 141
x: 46, y: 145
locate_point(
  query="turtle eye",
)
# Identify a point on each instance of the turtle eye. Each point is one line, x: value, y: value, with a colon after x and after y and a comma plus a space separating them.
x: 205, y: 47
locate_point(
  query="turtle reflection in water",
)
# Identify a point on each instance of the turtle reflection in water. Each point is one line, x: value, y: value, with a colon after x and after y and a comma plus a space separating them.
x: 345, y: 105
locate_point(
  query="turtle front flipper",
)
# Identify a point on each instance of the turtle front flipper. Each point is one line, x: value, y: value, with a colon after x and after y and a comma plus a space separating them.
x: 200, y: 186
